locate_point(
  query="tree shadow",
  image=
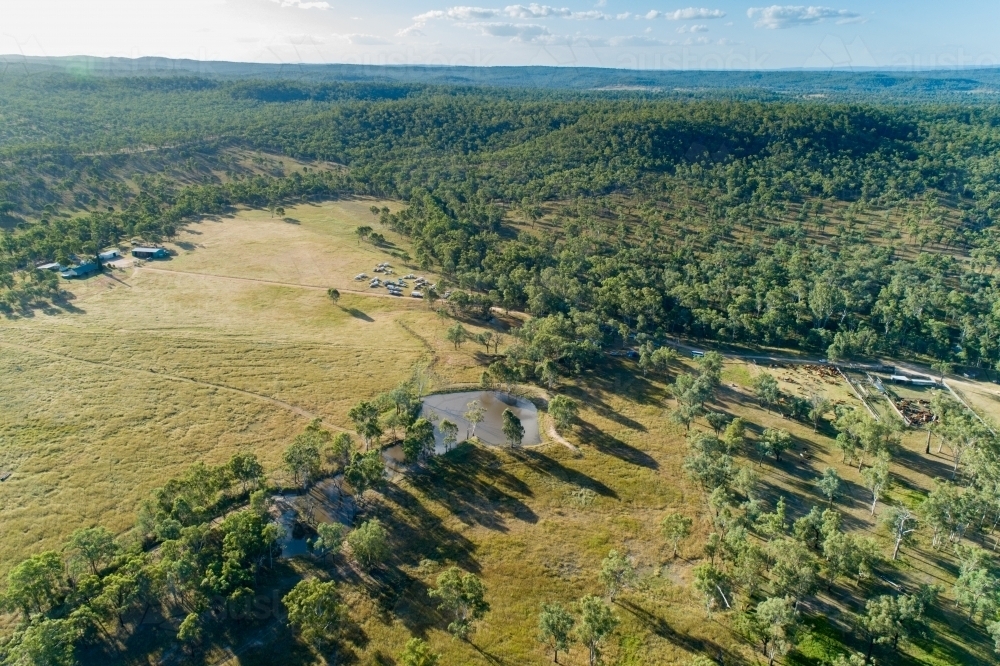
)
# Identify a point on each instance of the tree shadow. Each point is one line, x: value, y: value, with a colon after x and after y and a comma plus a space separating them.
x: 662, y: 628
x: 471, y: 483
x: 966, y: 643
x: 488, y: 656
x: 358, y: 314
x: 401, y: 596
x: 254, y: 634
x: 800, y: 501
x: 418, y: 534
x: 931, y: 466
x: 613, y: 446
x: 594, y: 402
x: 482, y: 358
x: 614, y: 376
x: 543, y: 464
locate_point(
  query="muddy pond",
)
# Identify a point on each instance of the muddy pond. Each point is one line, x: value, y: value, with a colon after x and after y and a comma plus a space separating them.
x: 452, y: 406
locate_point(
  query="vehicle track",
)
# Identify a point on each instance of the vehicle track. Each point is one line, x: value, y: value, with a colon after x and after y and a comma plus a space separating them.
x: 177, y: 378
x: 357, y: 292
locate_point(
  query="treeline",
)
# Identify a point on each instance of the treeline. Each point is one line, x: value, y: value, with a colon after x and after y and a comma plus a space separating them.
x: 189, y: 550
x: 151, y: 216
x: 744, y: 221
x: 606, y: 281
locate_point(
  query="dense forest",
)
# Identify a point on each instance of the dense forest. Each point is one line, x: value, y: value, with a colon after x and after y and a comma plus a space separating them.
x: 844, y: 229
x: 943, y: 84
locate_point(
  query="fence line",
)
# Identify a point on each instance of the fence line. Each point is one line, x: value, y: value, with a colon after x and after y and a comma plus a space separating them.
x: 858, y: 393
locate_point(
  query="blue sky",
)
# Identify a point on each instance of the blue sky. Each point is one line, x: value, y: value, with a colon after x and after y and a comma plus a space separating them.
x: 604, y: 33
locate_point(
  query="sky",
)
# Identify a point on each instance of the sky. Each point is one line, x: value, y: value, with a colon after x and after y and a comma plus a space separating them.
x: 630, y: 34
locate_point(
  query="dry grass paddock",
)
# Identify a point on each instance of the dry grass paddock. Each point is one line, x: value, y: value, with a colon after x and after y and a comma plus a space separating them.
x: 157, y: 370
x: 234, y: 344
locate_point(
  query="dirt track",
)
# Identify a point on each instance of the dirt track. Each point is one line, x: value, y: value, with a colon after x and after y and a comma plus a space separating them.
x: 356, y: 292
x: 177, y: 378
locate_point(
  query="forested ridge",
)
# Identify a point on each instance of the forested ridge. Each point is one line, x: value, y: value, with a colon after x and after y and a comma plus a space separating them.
x: 853, y: 229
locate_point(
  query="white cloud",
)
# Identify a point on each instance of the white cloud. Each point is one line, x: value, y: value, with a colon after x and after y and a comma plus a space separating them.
x: 623, y: 16
x: 478, y: 17
x: 697, y: 27
x: 653, y: 14
x: 691, y: 41
x: 518, y: 32
x: 470, y: 13
x: 534, y: 10
x: 302, y: 4
x: 530, y: 11
x: 637, y: 40
x: 694, y: 13
x: 412, y: 31
x: 590, y: 16
x: 363, y: 40
x: 790, y: 16
x: 427, y: 16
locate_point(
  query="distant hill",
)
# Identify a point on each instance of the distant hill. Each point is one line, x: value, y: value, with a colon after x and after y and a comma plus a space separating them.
x: 944, y: 85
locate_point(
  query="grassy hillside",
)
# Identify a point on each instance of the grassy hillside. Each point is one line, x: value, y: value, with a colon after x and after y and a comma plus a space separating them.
x: 234, y: 345
x: 150, y: 371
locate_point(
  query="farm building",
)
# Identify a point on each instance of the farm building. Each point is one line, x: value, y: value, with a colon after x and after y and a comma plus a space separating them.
x: 150, y: 253
x: 916, y: 381
x: 54, y: 266
x: 109, y: 255
x: 83, y: 269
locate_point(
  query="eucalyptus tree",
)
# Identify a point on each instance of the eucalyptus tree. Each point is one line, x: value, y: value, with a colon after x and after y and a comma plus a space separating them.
x: 555, y: 627
x: 597, y: 623
x: 463, y: 596
x: 474, y: 414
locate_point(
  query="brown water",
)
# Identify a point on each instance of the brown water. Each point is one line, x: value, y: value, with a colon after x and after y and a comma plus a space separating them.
x: 452, y: 406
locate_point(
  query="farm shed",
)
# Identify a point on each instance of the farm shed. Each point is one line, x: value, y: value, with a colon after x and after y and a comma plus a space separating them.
x: 79, y: 271
x: 916, y: 381
x: 150, y: 253
x: 109, y: 255
x: 54, y: 266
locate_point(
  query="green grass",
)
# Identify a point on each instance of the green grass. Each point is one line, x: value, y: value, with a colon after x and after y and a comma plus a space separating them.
x: 819, y: 644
